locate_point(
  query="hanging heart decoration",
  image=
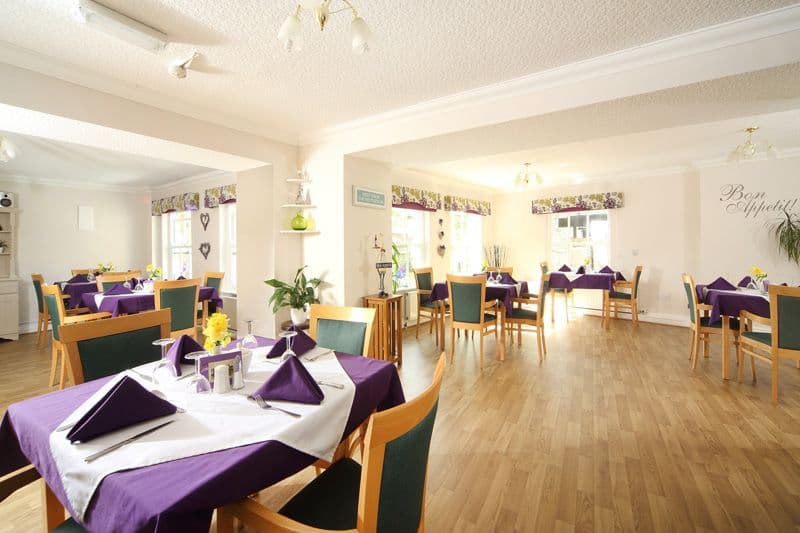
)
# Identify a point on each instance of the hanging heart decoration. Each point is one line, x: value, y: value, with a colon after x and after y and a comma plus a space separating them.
x: 204, y: 219
x: 205, y: 249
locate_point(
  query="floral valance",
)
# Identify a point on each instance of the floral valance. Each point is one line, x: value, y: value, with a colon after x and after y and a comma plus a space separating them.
x: 411, y: 198
x: 225, y: 194
x: 457, y: 203
x: 189, y: 201
x: 581, y: 202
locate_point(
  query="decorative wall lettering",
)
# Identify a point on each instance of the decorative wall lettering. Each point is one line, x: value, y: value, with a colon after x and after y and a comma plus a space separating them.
x: 205, y: 249
x: 736, y: 199
x: 204, y: 218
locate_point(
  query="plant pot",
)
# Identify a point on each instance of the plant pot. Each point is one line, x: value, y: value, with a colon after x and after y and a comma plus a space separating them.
x: 299, y: 316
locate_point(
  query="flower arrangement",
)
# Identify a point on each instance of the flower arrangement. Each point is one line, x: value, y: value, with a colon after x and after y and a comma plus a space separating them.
x: 297, y: 295
x: 495, y: 255
x: 587, y: 261
x: 105, y: 267
x: 758, y: 274
x: 216, y: 332
x: 154, y: 272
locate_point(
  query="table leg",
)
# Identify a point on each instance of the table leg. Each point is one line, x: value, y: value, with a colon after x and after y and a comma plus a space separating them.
x: 606, y: 310
x: 502, y: 311
x: 725, y: 349
x: 54, y: 512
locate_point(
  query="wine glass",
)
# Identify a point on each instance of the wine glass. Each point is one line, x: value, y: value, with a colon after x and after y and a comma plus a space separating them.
x: 198, y: 384
x: 288, y: 335
x: 247, y: 345
x: 127, y: 284
x: 164, y: 362
x: 90, y: 276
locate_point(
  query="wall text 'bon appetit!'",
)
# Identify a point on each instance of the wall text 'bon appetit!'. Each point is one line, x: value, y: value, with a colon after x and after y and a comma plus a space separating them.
x: 738, y: 200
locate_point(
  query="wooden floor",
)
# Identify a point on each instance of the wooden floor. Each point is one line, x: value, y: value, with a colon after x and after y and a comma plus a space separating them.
x: 613, y: 431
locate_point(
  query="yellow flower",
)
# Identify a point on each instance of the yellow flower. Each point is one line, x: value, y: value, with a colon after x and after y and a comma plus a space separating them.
x: 758, y: 273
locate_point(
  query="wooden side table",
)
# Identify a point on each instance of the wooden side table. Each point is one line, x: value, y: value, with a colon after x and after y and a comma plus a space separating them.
x: 387, y: 338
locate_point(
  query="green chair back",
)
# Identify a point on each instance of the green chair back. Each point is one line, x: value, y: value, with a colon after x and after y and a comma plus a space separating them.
x: 424, y: 281
x: 788, y: 322
x: 466, y: 302
x: 341, y: 335
x: 105, y: 356
x: 109, y: 284
x: 55, y: 319
x: 543, y: 296
x: 37, y: 288
x: 215, y: 283
x: 636, y: 284
x: 405, y: 463
x: 690, y: 297
x: 181, y: 303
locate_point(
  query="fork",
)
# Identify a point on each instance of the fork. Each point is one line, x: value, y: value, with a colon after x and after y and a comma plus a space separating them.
x: 264, y: 405
x: 319, y: 355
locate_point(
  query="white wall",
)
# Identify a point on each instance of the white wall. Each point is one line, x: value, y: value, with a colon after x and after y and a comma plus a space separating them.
x: 49, y: 242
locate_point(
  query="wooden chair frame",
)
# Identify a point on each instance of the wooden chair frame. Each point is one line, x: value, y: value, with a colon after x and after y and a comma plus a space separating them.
x: 700, y: 333
x: 205, y: 304
x: 44, y: 316
x: 536, y: 326
x: 72, y: 334
x: 365, y: 315
x: 158, y: 286
x: 483, y: 328
x: 110, y: 277
x: 772, y: 354
x: 632, y: 304
x: 65, y: 318
x: 432, y: 313
x: 82, y: 271
x: 383, y: 428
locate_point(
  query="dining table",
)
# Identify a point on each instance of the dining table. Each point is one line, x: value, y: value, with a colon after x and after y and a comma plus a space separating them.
x: 136, y: 301
x: 729, y: 304
x: 177, y: 495
x: 76, y: 290
x: 603, y: 281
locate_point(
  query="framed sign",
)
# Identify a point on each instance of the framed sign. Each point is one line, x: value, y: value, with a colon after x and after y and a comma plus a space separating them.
x: 368, y: 198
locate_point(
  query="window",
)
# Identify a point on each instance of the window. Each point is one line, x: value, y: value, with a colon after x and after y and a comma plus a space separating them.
x: 177, y: 243
x: 576, y: 236
x: 227, y: 239
x: 411, y: 236
x: 466, y: 243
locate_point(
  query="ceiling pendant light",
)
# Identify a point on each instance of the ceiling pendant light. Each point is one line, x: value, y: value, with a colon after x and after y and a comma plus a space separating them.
x: 523, y: 178
x: 290, y: 33
x: 7, y: 150
x: 749, y: 149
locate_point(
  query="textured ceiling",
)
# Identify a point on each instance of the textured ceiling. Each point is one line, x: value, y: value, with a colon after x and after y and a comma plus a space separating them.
x: 425, y: 50
x: 45, y: 159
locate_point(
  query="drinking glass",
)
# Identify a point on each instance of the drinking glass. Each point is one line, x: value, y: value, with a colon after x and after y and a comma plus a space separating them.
x: 198, y: 384
x: 90, y: 276
x: 163, y: 362
x: 288, y: 335
x: 127, y: 284
x: 247, y: 345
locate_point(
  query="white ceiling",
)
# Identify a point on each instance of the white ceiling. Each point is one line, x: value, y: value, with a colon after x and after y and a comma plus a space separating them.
x: 426, y: 50
x: 46, y: 160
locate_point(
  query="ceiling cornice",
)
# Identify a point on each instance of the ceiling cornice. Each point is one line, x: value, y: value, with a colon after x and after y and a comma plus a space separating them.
x: 189, y: 180
x: 18, y: 178
x: 703, y: 54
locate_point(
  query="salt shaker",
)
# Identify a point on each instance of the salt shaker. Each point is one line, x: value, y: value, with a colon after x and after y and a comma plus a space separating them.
x: 222, y: 378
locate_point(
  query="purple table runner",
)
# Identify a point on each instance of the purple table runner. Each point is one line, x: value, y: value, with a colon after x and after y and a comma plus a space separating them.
x: 505, y: 293
x: 731, y: 303
x: 138, y: 302
x: 177, y: 496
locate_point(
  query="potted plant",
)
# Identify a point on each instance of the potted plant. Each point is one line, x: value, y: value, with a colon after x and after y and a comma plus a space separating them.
x: 297, y: 296
x: 787, y: 233
x: 3, y: 245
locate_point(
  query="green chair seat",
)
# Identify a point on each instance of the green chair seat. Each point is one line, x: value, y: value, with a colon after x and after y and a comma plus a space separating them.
x: 489, y: 318
x: 70, y: 526
x: 428, y: 303
x: 524, y: 314
x: 758, y: 336
x: 706, y: 323
x: 330, y: 501
x: 341, y: 335
x: 620, y: 295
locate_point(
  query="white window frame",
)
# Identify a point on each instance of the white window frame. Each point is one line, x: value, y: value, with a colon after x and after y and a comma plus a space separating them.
x: 593, y: 246
x: 414, y: 247
x: 466, y: 251
x: 227, y: 249
x: 169, y: 247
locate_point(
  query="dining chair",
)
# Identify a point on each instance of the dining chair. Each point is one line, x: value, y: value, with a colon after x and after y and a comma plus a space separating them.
x: 385, y: 493
x: 180, y: 297
x: 426, y: 306
x: 534, y: 318
x: 81, y: 271
x: 618, y: 298
x: 208, y: 307
x: 545, y: 268
x: 343, y: 329
x: 44, y: 317
x: 108, y: 280
x: 106, y: 347
x: 506, y: 270
x: 25, y: 476
x: 700, y: 324
x: 59, y: 316
x: 783, y: 339
x: 469, y: 311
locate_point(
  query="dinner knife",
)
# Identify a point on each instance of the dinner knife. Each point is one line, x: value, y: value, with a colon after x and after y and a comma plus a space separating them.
x: 120, y: 444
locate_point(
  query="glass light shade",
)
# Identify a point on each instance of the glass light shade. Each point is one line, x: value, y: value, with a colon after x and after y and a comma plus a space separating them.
x: 7, y: 150
x: 360, y: 35
x: 290, y: 34
x: 311, y: 5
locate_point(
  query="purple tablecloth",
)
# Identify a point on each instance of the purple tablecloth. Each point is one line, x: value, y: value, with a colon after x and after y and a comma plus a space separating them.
x: 505, y: 293
x: 731, y: 303
x: 177, y: 496
x: 138, y: 302
x: 76, y: 292
x: 596, y: 280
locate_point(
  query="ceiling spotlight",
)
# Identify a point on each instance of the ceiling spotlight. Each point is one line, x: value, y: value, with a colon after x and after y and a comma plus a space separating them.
x: 749, y: 149
x: 523, y: 178
x: 7, y: 150
x: 120, y: 26
x: 179, y: 69
x: 290, y: 33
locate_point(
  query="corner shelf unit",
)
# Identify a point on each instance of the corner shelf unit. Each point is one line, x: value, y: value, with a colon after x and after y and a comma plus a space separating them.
x: 299, y: 232
x: 301, y: 182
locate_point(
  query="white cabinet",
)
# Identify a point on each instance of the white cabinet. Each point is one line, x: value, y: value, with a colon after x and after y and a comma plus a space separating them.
x: 9, y: 309
x: 9, y: 284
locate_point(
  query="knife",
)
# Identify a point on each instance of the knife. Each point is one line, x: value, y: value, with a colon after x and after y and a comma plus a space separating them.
x: 120, y: 444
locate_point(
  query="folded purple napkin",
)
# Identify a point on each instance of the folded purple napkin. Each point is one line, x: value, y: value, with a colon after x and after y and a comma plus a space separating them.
x: 607, y: 270
x: 565, y: 268
x: 117, y: 290
x: 176, y: 353
x: 745, y: 281
x: 79, y: 278
x: 291, y: 383
x: 181, y: 277
x: 126, y: 404
x: 721, y: 284
x: 506, y: 279
x: 581, y: 270
x: 301, y: 343
x: 261, y: 342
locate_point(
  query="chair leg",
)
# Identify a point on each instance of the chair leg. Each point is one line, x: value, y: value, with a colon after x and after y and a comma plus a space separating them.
x: 566, y: 304
x: 418, y: 317
x: 775, y: 365
x: 616, y: 310
x: 691, y: 344
x: 53, y: 365
x: 39, y: 331
x: 224, y: 521
x: 481, y: 350
x: 697, y: 341
x: 706, y: 346
x: 544, y: 343
x: 753, y: 367
x: 63, y: 378
x: 635, y: 311
x: 452, y: 343
x: 539, y: 343
x: 552, y: 307
x: 739, y: 361
x: 519, y: 334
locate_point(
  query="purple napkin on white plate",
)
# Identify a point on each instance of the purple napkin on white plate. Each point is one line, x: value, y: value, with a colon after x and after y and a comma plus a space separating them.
x: 301, y: 343
x: 117, y: 290
x: 291, y: 382
x: 581, y: 270
x: 721, y: 284
x: 506, y: 279
x: 745, y: 281
x: 261, y: 342
x: 126, y: 404
x: 565, y: 268
x: 79, y: 278
x: 184, y: 345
